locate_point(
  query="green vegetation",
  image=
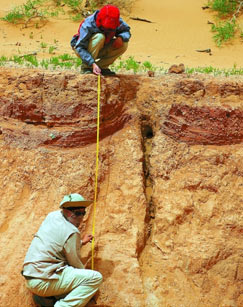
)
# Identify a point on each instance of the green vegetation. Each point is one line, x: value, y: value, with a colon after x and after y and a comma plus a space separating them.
x: 37, y: 11
x: 64, y: 61
x: 43, y: 45
x: 216, y: 71
x: 77, y: 8
x: 226, y: 26
x: 130, y: 65
x: 51, y: 49
x: 32, y: 11
x: 124, y: 5
x: 224, y: 31
x: 223, y: 7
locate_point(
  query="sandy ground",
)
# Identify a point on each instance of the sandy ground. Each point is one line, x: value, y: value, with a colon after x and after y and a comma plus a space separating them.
x: 177, y: 30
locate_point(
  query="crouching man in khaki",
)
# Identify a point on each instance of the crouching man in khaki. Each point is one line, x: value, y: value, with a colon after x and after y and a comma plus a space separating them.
x: 52, y: 266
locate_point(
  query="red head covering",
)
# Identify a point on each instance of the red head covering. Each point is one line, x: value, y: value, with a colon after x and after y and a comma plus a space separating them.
x: 108, y: 17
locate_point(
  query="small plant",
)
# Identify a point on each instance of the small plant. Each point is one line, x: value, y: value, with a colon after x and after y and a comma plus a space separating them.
x: 57, y: 2
x: 44, y: 63
x: 17, y: 59
x: 229, y: 10
x: 65, y: 57
x: 51, y: 49
x: 124, y: 5
x: 54, y: 61
x: 29, y: 12
x: 77, y: 62
x: 26, y: 13
x: 224, y: 31
x: 223, y: 7
x: 148, y: 66
x: 74, y: 5
x: 31, y: 59
x: 76, y: 8
x: 77, y: 17
x: 3, y: 60
x: 14, y: 16
x: 43, y: 45
x: 129, y: 64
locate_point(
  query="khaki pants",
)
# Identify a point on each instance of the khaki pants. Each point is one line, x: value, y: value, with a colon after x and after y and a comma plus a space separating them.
x: 79, y: 285
x: 104, y: 55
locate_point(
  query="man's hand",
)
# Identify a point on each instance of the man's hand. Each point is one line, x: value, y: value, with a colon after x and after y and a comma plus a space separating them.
x: 96, y: 69
x: 118, y: 42
x: 86, y: 238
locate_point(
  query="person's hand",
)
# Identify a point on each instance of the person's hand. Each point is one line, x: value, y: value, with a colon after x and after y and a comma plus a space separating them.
x: 96, y: 69
x: 118, y: 42
x: 86, y: 239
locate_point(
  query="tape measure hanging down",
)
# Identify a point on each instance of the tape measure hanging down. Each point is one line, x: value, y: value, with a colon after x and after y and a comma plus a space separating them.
x: 96, y: 171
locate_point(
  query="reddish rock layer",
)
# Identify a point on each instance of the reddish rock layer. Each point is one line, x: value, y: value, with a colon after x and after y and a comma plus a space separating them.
x: 204, y: 125
x: 62, y: 110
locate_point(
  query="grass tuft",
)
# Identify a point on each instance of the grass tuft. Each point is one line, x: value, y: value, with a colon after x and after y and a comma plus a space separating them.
x: 224, y: 31
x: 226, y: 26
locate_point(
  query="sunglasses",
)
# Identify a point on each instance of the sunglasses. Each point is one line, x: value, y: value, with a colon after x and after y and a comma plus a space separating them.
x: 78, y: 213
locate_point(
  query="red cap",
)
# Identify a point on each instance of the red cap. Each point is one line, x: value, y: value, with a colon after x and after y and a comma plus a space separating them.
x: 108, y: 17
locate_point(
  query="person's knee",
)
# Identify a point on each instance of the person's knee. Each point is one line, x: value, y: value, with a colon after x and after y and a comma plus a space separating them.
x: 123, y: 48
x: 87, y: 276
x: 98, y: 39
x: 98, y: 36
x: 99, y: 277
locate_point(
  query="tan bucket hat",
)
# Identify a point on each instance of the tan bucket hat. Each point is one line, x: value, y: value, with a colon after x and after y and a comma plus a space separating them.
x: 74, y: 200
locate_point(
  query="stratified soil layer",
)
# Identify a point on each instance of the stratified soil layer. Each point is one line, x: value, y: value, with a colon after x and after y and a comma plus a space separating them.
x: 170, y: 189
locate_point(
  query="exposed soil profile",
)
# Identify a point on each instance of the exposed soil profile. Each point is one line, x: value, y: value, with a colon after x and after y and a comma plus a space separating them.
x: 170, y: 188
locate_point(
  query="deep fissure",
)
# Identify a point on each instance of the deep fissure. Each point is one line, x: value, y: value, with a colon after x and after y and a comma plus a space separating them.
x: 147, y: 136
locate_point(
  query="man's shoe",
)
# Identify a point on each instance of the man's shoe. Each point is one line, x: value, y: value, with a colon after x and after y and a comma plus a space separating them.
x: 107, y: 72
x: 86, y: 71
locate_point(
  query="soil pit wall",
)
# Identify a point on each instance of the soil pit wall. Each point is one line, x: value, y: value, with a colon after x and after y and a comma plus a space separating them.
x: 168, y: 225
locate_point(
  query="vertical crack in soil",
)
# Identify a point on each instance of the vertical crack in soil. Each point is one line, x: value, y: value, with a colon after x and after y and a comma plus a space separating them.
x: 147, y: 135
x: 147, y: 142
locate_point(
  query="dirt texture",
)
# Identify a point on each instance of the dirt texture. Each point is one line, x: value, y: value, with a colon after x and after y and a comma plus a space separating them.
x: 170, y: 189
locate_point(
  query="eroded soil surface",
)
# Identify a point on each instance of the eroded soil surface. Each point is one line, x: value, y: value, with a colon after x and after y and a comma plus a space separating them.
x: 170, y: 191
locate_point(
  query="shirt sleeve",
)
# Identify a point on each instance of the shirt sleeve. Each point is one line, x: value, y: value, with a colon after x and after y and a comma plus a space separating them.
x: 87, y: 29
x: 123, y: 31
x: 72, y: 251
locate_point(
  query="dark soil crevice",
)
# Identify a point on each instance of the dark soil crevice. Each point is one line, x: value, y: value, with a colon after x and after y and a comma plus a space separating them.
x: 147, y: 137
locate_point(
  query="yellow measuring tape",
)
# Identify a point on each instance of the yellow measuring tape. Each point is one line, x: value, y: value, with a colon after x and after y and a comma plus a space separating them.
x: 96, y: 172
